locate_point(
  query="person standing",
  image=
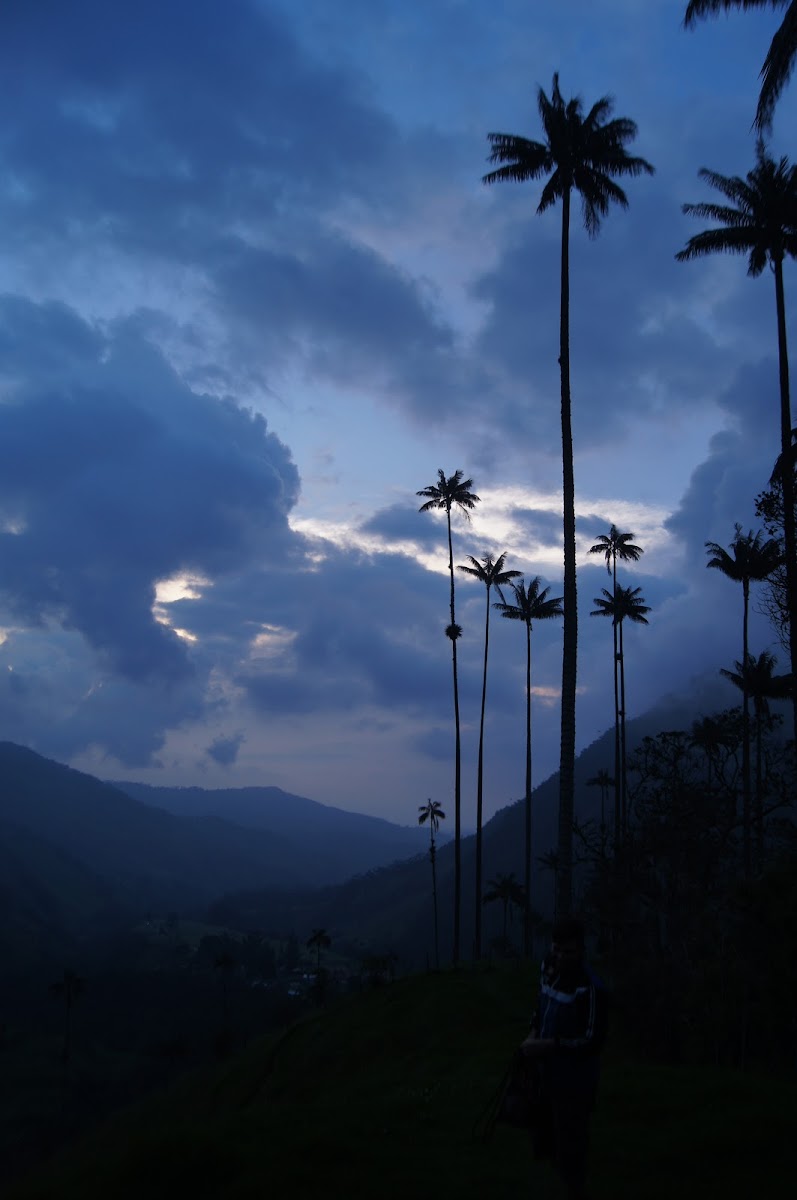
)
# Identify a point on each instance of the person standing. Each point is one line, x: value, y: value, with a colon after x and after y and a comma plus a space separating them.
x: 567, y: 1035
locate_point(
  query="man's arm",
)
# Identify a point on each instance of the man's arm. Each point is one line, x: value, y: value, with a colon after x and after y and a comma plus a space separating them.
x: 595, y: 1025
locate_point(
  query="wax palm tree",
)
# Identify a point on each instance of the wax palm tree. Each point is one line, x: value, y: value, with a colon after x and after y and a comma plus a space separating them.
x: 604, y: 781
x: 757, y: 678
x: 507, y: 890
x: 779, y: 62
x: 761, y: 221
x: 491, y: 573
x: 582, y: 153
x: 453, y: 492
x: 612, y: 546
x: 432, y: 812
x: 624, y: 604
x: 709, y: 735
x: 530, y: 605
x: 751, y: 560
x: 318, y: 940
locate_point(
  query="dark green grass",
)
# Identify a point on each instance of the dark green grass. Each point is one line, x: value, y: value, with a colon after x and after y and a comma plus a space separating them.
x: 378, y: 1097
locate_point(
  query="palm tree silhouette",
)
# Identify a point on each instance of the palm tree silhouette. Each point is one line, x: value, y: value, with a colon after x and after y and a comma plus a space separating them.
x: 506, y: 889
x: 757, y: 679
x: 582, y: 153
x: 761, y: 221
x: 530, y: 605
x: 492, y: 574
x: 453, y: 492
x: 612, y: 546
x: 318, y: 940
x: 626, y: 603
x: 433, y: 813
x: 709, y: 735
x: 779, y: 62
x: 604, y: 781
x: 751, y: 559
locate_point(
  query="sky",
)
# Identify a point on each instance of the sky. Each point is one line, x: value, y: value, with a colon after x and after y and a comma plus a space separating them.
x: 254, y: 295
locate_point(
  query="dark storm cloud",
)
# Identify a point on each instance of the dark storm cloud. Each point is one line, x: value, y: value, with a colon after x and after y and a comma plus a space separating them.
x: 403, y: 522
x: 723, y: 488
x: 187, y: 136
x: 176, y: 110
x: 117, y: 476
x: 343, y: 296
x: 368, y: 631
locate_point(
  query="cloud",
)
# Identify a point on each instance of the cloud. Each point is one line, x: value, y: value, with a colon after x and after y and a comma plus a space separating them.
x: 115, y: 475
x: 224, y: 750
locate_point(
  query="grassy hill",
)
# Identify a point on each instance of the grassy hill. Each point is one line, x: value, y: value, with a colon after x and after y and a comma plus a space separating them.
x: 378, y: 1096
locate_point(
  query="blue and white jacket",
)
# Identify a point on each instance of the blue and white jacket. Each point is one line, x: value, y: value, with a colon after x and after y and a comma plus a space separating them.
x: 573, y: 1013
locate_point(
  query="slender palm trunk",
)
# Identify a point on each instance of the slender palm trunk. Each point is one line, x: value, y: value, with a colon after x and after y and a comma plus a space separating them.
x: 623, y: 759
x: 746, y: 789
x: 787, y: 485
x: 567, y: 749
x: 527, y: 848
x: 457, y: 764
x: 433, y: 857
x: 477, y: 935
x: 619, y: 798
x: 759, y: 786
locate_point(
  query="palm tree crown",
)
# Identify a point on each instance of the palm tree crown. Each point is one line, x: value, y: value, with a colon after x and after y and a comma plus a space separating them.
x: 452, y: 492
x: 432, y: 812
x: 626, y: 603
x: 616, y: 545
x: 779, y: 62
x: 760, y: 221
x: 752, y: 559
x: 581, y: 152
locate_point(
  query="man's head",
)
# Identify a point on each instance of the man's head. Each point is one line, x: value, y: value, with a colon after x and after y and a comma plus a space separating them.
x: 567, y: 943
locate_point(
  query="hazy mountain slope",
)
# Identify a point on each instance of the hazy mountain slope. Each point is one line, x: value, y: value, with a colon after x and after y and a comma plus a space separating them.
x: 339, y: 843
x: 149, y: 857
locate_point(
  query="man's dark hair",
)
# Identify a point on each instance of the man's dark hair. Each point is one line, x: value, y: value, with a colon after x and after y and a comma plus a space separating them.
x: 568, y: 929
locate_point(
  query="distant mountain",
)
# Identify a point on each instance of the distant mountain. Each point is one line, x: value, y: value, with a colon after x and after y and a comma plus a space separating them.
x: 338, y: 843
x: 80, y: 858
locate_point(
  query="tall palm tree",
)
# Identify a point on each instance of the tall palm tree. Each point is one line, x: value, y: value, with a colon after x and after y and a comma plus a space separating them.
x: 709, y: 735
x: 779, y: 62
x: 757, y: 678
x: 530, y: 605
x: 751, y: 559
x: 582, y: 153
x: 624, y: 604
x: 604, y: 781
x: 432, y: 812
x: 491, y: 573
x: 612, y: 546
x: 761, y: 221
x: 506, y: 889
x: 453, y: 492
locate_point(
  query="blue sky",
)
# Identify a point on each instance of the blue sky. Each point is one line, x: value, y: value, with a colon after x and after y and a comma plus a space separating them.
x: 253, y: 295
